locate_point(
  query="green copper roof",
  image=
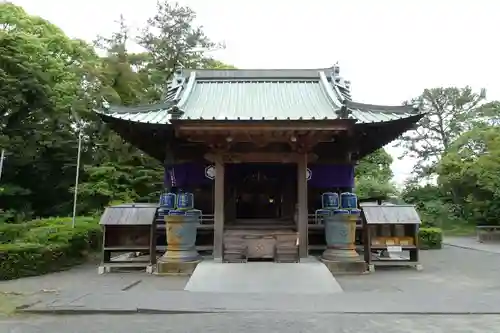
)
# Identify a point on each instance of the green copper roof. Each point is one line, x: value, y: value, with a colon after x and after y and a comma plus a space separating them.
x: 266, y: 100
x: 259, y: 95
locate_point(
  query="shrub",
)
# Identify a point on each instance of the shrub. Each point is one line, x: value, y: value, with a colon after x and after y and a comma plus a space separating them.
x: 10, y: 232
x: 24, y: 259
x: 430, y: 238
x: 47, y: 245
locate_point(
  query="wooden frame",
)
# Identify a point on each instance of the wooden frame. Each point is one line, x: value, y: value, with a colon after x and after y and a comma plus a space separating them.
x: 129, y: 228
x: 396, y: 229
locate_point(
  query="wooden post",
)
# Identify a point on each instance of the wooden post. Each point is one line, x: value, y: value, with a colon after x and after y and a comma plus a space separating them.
x: 219, y: 209
x: 302, y: 206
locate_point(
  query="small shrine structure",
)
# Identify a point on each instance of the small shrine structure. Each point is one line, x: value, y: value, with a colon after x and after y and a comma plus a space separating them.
x: 258, y: 147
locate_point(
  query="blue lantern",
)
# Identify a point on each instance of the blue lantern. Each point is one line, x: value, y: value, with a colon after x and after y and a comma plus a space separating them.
x: 330, y: 200
x: 167, y: 201
x: 348, y: 200
x: 185, y: 201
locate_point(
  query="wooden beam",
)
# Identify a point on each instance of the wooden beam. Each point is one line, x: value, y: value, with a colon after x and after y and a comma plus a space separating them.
x: 260, y: 157
x: 253, y: 125
x: 219, y: 209
x: 258, y: 137
x: 302, y: 206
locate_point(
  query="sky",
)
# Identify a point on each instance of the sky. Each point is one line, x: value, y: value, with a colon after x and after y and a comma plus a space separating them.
x: 390, y: 50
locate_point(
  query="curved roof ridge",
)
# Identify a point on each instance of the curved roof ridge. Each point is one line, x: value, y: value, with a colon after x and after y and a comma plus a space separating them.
x: 257, y: 73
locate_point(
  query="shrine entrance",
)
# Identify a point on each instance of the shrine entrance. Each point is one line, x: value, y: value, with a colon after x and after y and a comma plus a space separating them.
x: 260, y: 192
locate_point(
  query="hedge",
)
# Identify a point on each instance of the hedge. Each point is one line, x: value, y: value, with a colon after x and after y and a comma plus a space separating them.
x: 47, y: 245
x: 430, y: 238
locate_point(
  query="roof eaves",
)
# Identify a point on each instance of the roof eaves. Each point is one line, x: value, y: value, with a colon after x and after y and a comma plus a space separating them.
x: 136, y: 109
x: 406, y: 109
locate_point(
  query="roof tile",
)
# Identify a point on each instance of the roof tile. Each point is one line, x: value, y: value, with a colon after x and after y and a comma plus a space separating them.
x: 304, y: 99
x: 260, y: 94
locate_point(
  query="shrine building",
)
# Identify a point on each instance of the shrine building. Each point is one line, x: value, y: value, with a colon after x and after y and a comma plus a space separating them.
x: 258, y: 147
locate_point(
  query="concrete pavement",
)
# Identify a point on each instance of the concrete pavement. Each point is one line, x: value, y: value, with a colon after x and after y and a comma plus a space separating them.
x: 255, y: 322
x: 307, y: 277
x: 188, y: 302
x: 471, y: 243
x: 454, y: 281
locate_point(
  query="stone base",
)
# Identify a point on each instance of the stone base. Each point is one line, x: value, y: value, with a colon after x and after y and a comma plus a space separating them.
x: 349, y: 255
x: 176, y: 268
x: 346, y: 267
x: 174, y: 255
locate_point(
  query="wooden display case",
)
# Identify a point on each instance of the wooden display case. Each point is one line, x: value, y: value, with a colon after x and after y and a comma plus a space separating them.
x: 390, y: 235
x: 129, y: 229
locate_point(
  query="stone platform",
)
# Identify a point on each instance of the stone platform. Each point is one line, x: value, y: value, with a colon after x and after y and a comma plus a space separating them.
x: 307, y: 277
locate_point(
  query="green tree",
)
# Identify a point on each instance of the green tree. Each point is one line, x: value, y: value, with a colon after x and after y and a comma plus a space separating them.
x: 469, y: 173
x: 41, y: 72
x: 120, y: 172
x: 171, y: 40
x: 373, y: 175
x: 448, y: 115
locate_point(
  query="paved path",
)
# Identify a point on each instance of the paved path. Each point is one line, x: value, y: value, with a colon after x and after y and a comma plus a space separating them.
x: 455, y: 280
x: 184, y: 301
x: 255, y: 323
x: 80, y: 280
x: 471, y: 243
x: 452, y: 269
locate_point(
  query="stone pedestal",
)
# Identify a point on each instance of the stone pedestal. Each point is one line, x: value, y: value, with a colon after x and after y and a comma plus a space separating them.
x: 340, y: 234
x: 176, y: 268
x: 357, y: 266
x: 181, y: 239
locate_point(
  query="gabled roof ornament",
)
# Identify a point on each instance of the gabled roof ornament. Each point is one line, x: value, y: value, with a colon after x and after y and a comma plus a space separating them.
x: 105, y: 105
x: 336, y: 69
x: 175, y: 112
x: 178, y: 77
x: 344, y: 112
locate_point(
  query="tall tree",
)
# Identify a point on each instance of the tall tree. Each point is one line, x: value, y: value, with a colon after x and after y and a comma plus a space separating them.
x: 374, y: 175
x: 448, y: 113
x: 119, y: 172
x: 172, y: 39
x: 469, y: 173
x: 41, y: 72
x: 123, y: 72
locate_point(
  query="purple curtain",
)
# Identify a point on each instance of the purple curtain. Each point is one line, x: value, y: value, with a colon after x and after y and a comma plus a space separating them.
x: 187, y: 174
x: 331, y: 175
x: 322, y: 175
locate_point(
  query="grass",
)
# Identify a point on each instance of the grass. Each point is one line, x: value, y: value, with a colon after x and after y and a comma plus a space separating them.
x: 459, y: 229
x: 8, y: 303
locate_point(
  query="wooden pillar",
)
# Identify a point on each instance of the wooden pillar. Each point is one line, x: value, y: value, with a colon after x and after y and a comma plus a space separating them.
x: 218, y: 209
x: 302, y: 206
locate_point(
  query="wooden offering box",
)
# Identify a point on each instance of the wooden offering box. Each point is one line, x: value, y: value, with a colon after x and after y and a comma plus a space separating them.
x: 391, y: 235
x: 129, y: 228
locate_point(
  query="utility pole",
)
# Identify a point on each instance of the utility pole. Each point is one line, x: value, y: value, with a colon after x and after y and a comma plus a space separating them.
x: 77, y: 176
x: 79, y: 152
x: 2, y: 156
